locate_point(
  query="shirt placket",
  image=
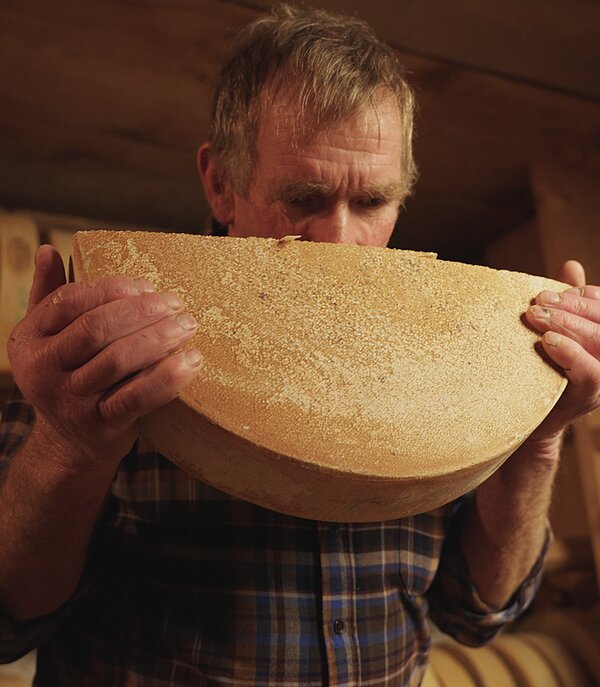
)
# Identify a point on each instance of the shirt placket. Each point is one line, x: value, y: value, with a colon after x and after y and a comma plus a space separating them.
x: 339, y: 615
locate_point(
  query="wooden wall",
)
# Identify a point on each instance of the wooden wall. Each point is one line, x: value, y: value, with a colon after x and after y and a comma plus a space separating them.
x: 104, y: 102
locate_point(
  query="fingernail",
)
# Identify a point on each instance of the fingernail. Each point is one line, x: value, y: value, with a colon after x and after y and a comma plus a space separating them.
x: 579, y: 290
x: 172, y: 300
x: 552, y: 339
x: 549, y: 297
x: 193, y: 357
x: 540, y: 313
x: 143, y: 285
x: 186, y: 321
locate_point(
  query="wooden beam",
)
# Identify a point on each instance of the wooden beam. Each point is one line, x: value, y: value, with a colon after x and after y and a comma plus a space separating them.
x: 554, y: 44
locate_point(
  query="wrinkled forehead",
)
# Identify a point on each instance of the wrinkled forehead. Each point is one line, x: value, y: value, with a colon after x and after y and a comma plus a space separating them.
x: 286, y: 115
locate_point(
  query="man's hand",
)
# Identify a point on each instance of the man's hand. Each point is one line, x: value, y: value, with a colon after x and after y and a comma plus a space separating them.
x: 94, y: 357
x: 570, y: 322
x: 505, y: 525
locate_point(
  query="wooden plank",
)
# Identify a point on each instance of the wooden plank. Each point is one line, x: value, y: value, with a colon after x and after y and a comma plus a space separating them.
x: 568, y: 208
x: 554, y: 44
x: 476, y: 138
x: 106, y: 105
x: 517, y: 250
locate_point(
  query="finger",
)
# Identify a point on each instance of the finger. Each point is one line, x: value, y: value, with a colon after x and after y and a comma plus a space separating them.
x: 572, y: 272
x: 587, y: 291
x: 585, y: 332
x: 98, y: 328
x: 580, y: 367
x: 129, y: 355
x: 571, y: 301
x: 49, y: 274
x: 152, y: 388
x: 65, y: 304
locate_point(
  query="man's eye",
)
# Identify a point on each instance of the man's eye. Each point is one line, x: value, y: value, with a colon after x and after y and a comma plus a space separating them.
x: 305, y: 204
x: 301, y: 201
x: 372, y: 202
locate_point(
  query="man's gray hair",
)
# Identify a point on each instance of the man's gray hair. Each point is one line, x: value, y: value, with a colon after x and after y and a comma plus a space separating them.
x: 328, y: 66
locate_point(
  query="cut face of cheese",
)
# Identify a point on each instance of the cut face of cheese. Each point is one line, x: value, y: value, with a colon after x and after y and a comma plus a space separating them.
x: 340, y: 383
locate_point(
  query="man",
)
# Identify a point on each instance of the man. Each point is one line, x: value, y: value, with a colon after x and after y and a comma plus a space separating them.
x: 124, y: 570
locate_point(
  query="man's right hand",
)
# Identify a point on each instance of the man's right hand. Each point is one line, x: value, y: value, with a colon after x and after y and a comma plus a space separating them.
x: 93, y: 357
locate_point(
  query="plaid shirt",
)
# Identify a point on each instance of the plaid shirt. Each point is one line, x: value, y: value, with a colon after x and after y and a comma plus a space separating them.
x: 188, y: 586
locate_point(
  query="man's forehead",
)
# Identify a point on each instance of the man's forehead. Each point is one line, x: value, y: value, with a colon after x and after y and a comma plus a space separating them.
x: 282, y: 117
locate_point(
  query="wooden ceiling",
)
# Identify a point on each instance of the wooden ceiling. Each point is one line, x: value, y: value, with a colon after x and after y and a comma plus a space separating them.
x: 104, y: 102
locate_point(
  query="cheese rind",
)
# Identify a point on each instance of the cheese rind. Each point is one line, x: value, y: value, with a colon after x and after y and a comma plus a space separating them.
x: 340, y: 382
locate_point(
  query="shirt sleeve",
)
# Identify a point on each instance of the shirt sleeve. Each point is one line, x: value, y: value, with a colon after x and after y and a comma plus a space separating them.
x: 454, y: 602
x: 17, y: 637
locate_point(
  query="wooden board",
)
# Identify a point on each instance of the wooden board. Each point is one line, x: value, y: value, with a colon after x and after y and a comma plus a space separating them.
x: 544, y: 43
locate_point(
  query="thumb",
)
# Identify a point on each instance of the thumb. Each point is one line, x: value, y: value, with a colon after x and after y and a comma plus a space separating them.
x: 572, y: 272
x: 49, y: 274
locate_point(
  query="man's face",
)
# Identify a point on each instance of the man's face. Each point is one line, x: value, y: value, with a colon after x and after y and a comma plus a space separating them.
x: 344, y: 186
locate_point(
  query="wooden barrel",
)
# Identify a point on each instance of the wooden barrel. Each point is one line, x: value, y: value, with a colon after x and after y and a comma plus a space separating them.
x: 485, y: 666
x: 528, y: 666
x: 576, y: 631
x: 449, y: 670
x: 566, y: 666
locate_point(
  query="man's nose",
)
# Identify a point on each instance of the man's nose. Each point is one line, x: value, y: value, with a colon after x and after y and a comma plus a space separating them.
x: 332, y: 226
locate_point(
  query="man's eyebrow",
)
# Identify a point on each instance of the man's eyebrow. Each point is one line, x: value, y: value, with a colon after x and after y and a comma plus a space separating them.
x: 393, y: 190
x: 291, y: 190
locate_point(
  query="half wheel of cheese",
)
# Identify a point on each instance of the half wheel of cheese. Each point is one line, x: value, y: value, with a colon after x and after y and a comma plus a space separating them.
x: 340, y: 383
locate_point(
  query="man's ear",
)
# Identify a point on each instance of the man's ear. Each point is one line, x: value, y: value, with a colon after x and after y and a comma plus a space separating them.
x: 218, y: 193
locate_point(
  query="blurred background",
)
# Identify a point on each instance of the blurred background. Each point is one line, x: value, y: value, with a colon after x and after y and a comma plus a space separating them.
x: 103, y: 104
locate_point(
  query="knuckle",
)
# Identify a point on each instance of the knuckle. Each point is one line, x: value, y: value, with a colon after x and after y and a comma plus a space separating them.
x: 117, y: 366
x: 93, y: 327
x: 168, y: 334
x: 592, y: 292
x: 562, y: 321
x: 65, y: 294
x: 594, y: 335
x: 73, y: 296
x: 579, y: 306
x: 116, y: 287
x: 73, y: 291
x: 118, y: 408
x: 165, y: 377
x: 150, y: 306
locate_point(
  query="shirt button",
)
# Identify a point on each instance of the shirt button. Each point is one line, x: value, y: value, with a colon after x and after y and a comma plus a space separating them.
x: 338, y: 626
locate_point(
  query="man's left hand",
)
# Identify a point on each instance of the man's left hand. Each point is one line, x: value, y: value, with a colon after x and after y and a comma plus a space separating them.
x: 570, y: 323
